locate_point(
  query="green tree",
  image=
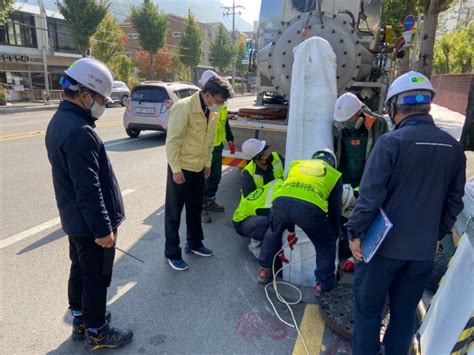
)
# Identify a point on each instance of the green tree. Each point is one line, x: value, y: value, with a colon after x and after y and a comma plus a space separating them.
x: 221, y: 51
x: 152, y: 26
x: 454, y: 51
x: 5, y: 7
x: 107, y: 46
x: 190, y: 46
x: 83, y: 16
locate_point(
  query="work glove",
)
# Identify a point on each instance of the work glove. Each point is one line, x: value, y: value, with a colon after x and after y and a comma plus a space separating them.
x: 231, y: 147
x: 348, y: 265
x: 282, y: 257
x: 292, y: 239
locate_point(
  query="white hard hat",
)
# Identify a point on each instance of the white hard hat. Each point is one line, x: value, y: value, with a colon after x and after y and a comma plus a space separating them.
x: 411, y: 81
x: 347, y: 105
x: 93, y: 75
x: 348, y: 200
x: 252, y: 147
x: 206, y: 76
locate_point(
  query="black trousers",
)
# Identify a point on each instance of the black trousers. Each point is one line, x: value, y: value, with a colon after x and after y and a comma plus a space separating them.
x: 188, y: 195
x: 252, y: 227
x: 403, y: 281
x: 212, y: 182
x: 89, y: 278
x: 287, y: 212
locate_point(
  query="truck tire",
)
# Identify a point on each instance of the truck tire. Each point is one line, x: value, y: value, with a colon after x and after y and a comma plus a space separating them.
x: 133, y: 132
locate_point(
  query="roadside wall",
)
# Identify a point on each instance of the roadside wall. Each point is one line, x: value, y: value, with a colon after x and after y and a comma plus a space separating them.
x: 452, y: 90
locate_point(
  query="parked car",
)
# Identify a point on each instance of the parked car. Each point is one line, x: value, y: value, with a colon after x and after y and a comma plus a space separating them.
x: 120, y: 93
x: 150, y: 103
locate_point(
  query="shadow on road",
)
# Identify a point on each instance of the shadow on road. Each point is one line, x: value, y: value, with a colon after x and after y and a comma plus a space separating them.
x: 145, y: 141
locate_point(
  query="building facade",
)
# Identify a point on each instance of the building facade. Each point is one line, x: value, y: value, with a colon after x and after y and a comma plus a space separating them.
x: 33, y: 42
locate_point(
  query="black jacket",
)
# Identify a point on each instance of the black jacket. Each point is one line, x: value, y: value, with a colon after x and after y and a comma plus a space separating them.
x: 87, y: 193
x: 417, y: 174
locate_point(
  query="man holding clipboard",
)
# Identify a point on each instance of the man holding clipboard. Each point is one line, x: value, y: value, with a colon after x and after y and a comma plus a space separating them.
x: 414, y: 179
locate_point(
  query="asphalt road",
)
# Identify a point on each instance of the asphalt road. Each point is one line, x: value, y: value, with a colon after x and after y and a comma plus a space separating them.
x: 215, y: 307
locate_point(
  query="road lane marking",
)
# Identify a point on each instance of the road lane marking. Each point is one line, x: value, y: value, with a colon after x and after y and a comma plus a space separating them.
x: 312, y: 330
x: 39, y: 228
x: 15, y: 136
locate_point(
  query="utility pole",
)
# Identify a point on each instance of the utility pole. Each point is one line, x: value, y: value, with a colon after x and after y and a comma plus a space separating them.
x: 232, y: 11
x: 45, y: 49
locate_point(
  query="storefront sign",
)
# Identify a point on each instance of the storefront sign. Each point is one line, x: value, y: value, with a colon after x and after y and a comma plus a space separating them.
x: 19, y: 58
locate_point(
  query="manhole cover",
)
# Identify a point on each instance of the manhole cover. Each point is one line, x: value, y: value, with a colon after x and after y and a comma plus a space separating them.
x: 336, y: 309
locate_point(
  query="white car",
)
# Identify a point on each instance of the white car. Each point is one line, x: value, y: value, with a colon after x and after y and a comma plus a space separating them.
x: 149, y: 105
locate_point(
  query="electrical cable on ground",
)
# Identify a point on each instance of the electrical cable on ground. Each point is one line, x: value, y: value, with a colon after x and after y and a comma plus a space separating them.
x: 287, y: 303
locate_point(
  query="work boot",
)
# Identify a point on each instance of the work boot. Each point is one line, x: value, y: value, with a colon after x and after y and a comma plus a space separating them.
x: 79, y: 327
x: 254, y: 247
x: 265, y: 275
x: 205, y: 217
x: 214, y: 207
x: 108, y: 337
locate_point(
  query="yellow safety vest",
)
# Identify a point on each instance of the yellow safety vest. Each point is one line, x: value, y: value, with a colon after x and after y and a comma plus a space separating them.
x: 220, y: 136
x: 311, y: 181
x: 258, y: 179
x: 260, y: 198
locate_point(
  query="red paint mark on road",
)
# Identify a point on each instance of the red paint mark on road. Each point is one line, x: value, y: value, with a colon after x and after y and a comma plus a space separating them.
x: 251, y: 326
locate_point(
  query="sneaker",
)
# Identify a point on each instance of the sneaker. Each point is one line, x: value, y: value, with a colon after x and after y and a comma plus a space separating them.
x: 214, y: 207
x: 205, y: 217
x: 108, y: 337
x: 254, y: 247
x: 202, y: 251
x: 178, y: 264
x: 265, y: 275
x: 79, y: 327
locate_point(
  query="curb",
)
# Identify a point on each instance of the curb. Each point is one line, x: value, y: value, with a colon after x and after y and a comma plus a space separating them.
x: 10, y: 110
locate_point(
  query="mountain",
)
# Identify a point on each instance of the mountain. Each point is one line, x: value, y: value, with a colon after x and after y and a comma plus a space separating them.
x: 205, y: 10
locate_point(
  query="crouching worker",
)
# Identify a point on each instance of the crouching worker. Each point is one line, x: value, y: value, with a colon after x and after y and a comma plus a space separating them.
x: 264, y: 167
x: 251, y: 216
x: 310, y: 198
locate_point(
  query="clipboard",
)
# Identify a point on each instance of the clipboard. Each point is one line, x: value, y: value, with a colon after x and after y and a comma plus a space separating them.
x: 374, y: 236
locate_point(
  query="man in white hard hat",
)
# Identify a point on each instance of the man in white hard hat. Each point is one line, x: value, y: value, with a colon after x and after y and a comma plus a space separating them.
x: 416, y: 173
x: 189, y: 145
x: 356, y: 131
x: 89, y: 200
x: 223, y: 134
x: 264, y: 167
x: 310, y: 198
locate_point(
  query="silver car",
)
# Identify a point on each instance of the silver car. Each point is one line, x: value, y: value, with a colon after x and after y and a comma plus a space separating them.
x: 150, y: 103
x: 120, y: 93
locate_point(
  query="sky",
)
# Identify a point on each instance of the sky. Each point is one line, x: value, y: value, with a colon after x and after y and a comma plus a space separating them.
x: 252, y: 8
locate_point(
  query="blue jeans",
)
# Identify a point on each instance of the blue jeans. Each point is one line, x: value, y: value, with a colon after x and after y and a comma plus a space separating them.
x: 403, y: 281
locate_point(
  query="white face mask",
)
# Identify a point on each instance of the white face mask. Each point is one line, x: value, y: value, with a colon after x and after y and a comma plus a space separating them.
x: 215, y: 108
x: 97, y: 110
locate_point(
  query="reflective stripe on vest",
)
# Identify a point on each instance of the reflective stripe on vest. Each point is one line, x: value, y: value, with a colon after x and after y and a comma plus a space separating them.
x: 258, y: 179
x: 311, y: 181
x: 260, y: 198
x: 220, y: 135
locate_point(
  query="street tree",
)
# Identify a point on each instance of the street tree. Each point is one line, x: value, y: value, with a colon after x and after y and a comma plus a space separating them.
x: 190, y: 45
x: 431, y: 10
x: 108, y: 46
x: 5, y: 7
x: 152, y: 26
x: 221, y: 51
x: 84, y: 17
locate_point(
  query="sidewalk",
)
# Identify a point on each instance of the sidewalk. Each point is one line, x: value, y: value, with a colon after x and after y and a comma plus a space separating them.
x: 17, y: 107
x: 449, y: 121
